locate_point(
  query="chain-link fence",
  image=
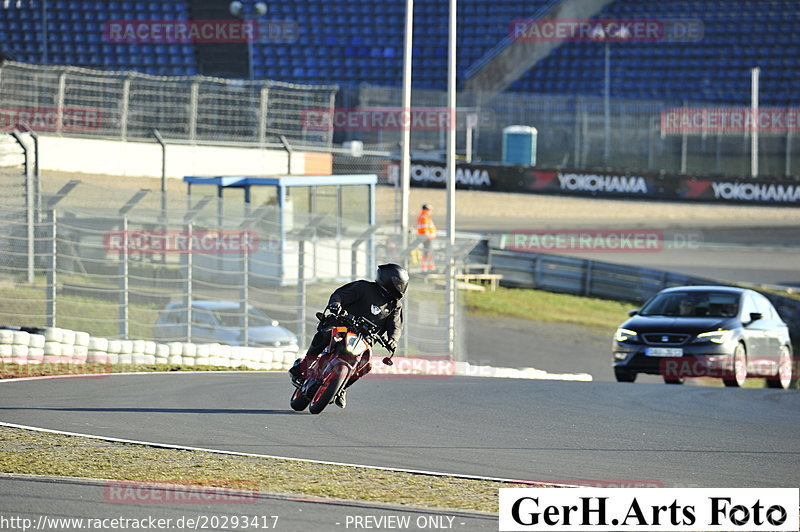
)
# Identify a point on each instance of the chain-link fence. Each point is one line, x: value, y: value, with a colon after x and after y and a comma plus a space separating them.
x: 129, y: 105
x: 113, y: 263
x: 577, y: 132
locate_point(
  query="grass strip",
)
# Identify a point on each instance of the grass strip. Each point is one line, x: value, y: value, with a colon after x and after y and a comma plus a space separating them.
x: 538, y: 305
x: 37, y: 453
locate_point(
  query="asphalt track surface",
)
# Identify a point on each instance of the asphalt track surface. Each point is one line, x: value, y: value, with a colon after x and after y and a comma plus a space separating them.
x: 69, y: 504
x: 515, y: 429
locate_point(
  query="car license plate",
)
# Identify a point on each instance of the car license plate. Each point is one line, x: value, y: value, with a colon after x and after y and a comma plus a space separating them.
x: 664, y: 351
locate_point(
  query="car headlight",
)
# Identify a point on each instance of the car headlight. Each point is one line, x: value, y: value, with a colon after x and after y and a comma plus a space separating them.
x: 623, y: 335
x: 718, y: 337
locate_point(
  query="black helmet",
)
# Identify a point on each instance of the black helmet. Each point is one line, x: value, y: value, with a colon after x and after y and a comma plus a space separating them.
x: 393, y: 278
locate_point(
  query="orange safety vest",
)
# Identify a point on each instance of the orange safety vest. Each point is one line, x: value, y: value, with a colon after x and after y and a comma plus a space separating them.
x: 425, y: 225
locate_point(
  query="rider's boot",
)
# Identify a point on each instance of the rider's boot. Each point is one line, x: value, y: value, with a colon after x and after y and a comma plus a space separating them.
x: 341, y: 399
x: 298, y: 371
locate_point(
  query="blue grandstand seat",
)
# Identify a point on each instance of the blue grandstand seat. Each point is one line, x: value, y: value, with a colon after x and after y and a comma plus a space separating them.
x: 369, y: 33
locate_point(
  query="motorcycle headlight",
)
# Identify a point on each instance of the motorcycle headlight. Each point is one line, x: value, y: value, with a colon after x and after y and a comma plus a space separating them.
x: 718, y: 337
x: 623, y: 335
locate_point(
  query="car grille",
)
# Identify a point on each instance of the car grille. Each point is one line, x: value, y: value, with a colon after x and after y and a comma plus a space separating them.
x: 665, y: 338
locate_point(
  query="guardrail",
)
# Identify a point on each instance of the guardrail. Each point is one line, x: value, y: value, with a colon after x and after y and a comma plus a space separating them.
x: 590, y: 278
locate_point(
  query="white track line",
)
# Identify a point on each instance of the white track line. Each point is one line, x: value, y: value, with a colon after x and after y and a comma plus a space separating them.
x: 287, y: 458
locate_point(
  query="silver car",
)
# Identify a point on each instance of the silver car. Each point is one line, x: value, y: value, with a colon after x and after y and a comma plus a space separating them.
x: 221, y: 322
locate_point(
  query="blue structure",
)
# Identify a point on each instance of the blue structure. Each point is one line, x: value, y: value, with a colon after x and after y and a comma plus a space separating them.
x: 349, y: 42
x: 283, y: 183
x: 353, y: 227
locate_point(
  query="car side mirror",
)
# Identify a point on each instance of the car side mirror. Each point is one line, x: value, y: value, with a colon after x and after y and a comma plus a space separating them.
x: 633, y: 312
x: 755, y: 316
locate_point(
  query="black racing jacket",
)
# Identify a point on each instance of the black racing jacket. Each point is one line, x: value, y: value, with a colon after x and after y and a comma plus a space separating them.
x: 367, y: 300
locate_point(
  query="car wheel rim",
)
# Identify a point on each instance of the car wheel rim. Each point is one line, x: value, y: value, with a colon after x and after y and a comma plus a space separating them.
x: 740, y: 366
x: 785, y: 368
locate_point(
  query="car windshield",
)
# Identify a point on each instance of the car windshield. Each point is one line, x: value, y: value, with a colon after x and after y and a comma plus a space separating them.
x: 234, y: 318
x: 693, y: 304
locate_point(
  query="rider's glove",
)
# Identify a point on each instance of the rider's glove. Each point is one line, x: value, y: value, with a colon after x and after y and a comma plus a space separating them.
x: 391, y: 345
x: 335, y: 308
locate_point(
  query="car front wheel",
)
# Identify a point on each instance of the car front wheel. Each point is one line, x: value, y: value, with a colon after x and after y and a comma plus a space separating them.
x: 738, y: 374
x: 786, y: 375
x: 624, y: 375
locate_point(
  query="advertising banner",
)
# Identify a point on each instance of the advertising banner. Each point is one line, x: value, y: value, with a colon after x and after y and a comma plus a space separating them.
x: 598, y: 183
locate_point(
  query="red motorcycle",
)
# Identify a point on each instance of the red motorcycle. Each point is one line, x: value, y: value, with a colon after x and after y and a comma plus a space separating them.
x: 347, y: 353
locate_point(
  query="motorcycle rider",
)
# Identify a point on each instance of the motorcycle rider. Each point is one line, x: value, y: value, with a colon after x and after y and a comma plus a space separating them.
x: 378, y: 301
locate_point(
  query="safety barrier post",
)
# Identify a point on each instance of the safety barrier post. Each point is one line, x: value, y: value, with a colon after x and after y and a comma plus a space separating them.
x: 124, y: 279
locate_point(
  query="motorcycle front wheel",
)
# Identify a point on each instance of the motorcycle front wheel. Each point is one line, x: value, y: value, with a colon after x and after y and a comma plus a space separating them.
x: 298, y: 402
x: 327, y: 390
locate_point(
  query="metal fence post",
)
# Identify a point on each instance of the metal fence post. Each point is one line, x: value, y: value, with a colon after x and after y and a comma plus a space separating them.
x: 684, y: 146
x: 62, y: 87
x: 301, y: 290
x: 123, y: 284
x: 50, y: 308
x: 194, y: 104
x: 163, y: 145
x: 124, y: 310
x: 576, y: 136
x: 587, y: 286
x: 189, y: 265
x: 188, y: 221
x: 306, y: 234
x: 124, y: 108
x: 29, y: 218
x: 245, y: 296
x: 450, y: 298
x: 29, y: 204
x: 51, y: 271
x: 288, y: 148
x: 263, y: 106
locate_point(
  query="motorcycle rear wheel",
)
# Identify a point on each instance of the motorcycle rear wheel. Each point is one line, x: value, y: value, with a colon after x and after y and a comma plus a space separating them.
x: 327, y: 390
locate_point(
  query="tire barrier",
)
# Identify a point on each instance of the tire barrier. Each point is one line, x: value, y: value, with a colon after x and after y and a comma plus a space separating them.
x: 29, y: 345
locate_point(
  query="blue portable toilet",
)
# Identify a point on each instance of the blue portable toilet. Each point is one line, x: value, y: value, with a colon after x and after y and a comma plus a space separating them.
x: 519, y: 145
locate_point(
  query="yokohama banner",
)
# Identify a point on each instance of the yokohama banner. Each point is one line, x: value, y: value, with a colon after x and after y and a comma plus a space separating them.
x: 501, y: 178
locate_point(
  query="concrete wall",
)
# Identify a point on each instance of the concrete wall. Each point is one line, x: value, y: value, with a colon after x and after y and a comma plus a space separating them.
x: 144, y: 158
